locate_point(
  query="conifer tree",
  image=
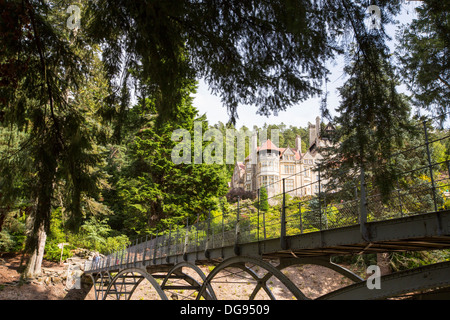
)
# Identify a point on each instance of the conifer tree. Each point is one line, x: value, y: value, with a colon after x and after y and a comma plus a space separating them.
x: 158, y: 192
x: 45, y: 67
x: 263, y: 202
x: 423, y: 51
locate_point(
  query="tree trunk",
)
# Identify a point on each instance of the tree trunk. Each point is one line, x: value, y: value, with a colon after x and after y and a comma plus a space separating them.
x: 39, y: 220
x: 383, y: 262
x: 34, y: 266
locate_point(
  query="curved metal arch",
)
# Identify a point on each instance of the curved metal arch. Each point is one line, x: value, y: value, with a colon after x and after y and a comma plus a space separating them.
x: 144, y: 274
x: 94, y: 282
x: 239, y: 262
x: 100, y: 284
x: 324, y: 262
x: 209, y: 294
x: 260, y: 282
x: 426, y: 277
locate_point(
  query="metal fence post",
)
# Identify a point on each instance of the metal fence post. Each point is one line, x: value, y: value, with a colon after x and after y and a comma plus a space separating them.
x: 430, y: 165
x: 196, y: 236
x: 283, y: 241
x: 135, y: 252
x: 300, y: 215
x: 155, y: 248
x: 208, y: 238
x: 237, y: 250
x: 176, y: 245
x: 121, y: 256
x: 128, y: 255
x: 259, y: 245
x: 223, y: 230
x: 186, y: 240
x: 363, y: 207
x: 145, y: 249
x: 320, y: 202
x: 168, y: 244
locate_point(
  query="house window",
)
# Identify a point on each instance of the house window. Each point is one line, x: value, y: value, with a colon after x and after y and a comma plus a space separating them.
x: 267, y: 181
x: 289, y: 184
x: 288, y: 169
x: 289, y: 157
x: 249, y: 176
x: 263, y: 180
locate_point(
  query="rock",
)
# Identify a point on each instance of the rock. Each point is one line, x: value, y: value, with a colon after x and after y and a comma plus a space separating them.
x: 48, y: 281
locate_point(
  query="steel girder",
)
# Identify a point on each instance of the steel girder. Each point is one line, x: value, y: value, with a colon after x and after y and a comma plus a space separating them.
x: 423, y: 278
x: 240, y: 261
x: 208, y: 294
x: 276, y: 271
x: 427, y: 277
x: 137, y: 279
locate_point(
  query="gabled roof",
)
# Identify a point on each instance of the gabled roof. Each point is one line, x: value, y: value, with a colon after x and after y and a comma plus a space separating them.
x: 268, y: 145
x: 297, y: 155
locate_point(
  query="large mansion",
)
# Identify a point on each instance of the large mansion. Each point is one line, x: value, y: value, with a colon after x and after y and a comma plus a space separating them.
x: 274, y: 164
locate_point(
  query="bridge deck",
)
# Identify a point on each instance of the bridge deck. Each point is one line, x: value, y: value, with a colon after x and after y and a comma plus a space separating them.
x: 430, y: 231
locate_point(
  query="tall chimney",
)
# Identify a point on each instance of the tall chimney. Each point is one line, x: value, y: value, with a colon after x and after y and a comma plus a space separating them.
x: 312, y: 134
x: 318, y: 127
x: 298, y: 144
x: 254, y: 146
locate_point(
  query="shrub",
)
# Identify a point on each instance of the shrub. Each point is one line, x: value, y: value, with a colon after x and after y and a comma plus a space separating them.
x: 53, y: 252
x: 6, y: 241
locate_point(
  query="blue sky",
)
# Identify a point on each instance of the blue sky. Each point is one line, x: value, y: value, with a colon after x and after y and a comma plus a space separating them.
x: 298, y: 115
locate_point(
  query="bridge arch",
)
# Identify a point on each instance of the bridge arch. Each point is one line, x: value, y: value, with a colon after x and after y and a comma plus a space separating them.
x: 208, y: 294
x: 240, y: 261
x: 137, y: 275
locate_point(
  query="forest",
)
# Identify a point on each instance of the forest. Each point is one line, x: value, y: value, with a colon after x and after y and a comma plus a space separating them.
x: 91, y: 92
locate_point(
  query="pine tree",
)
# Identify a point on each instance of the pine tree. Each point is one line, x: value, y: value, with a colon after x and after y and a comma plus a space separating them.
x: 154, y: 190
x: 45, y: 67
x: 423, y: 52
x: 373, y: 121
x: 263, y: 202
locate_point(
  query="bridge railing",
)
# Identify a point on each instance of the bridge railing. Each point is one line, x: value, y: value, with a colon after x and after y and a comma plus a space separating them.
x: 308, y: 202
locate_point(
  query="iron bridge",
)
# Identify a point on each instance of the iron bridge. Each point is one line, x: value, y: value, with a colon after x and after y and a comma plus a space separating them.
x: 259, y: 246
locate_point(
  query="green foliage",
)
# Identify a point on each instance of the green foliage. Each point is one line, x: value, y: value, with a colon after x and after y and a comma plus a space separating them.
x: 423, y: 53
x: 96, y: 232
x: 6, y: 241
x: 400, y: 261
x: 152, y: 190
x: 13, y: 232
x: 53, y: 252
x: 263, y: 202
